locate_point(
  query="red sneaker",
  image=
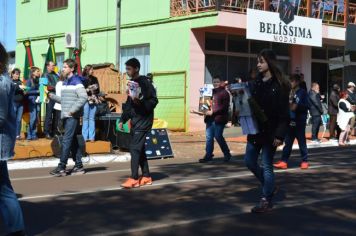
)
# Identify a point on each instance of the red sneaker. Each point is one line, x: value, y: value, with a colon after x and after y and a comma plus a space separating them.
x: 131, y: 183
x: 281, y: 165
x: 304, y: 165
x: 145, y: 181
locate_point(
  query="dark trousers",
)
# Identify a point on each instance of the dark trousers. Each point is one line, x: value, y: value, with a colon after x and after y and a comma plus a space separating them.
x: 58, y: 127
x: 49, y: 127
x: 70, y: 143
x: 334, y: 127
x: 316, y: 122
x: 19, y: 112
x: 138, y: 154
x: 296, y: 132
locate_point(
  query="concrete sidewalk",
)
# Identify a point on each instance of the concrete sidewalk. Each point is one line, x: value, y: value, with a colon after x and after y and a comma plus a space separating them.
x: 185, y: 146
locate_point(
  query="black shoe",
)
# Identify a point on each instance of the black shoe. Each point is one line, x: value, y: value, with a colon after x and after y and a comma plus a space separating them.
x: 205, y: 160
x: 18, y: 233
x: 77, y: 171
x: 49, y: 137
x: 227, y: 159
x: 59, y: 171
x: 263, y: 207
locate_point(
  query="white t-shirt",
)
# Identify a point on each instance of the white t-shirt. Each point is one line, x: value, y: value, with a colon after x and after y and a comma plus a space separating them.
x: 59, y: 84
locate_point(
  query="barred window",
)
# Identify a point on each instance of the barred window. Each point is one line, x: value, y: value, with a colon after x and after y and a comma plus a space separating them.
x: 57, y: 4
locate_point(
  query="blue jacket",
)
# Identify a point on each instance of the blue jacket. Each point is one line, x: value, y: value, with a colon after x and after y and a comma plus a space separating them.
x: 301, y: 99
x: 32, y: 91
x: 7, y: 118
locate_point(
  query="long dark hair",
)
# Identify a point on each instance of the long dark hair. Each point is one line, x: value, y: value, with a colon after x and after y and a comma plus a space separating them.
x: 34, y: 81
x: 86, y: 70
x: 270, y: 57
x: 32, y: 70
x: 4, y: 58
x: 14, y: 71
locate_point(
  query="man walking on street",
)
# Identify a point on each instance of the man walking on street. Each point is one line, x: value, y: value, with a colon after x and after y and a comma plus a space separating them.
x: 298, y: 114
x: 333, y: 109
x: 316, y: 110
x: 10, y: 208
x: 73, y: 97
x: 52, y: 78
x: 139, y: 108
x: 215, y: 120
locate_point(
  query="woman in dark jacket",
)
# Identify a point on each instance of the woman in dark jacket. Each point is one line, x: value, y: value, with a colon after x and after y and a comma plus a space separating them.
x: 33, y: 93
x: 270, y: 96
x: 91, y: 84
x: 18, y: 99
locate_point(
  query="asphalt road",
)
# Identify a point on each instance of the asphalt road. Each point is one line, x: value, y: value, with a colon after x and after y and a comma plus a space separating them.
x: 189, y: 198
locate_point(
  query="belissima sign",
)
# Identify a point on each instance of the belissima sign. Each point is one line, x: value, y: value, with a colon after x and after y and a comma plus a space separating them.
x: 283, y: 27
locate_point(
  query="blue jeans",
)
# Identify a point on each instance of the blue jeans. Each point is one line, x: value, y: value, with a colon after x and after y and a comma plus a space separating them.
x: 214, y: 130
x: 264, y: 174
x: 9, y: 205
x: 316, y: 122
x: 88, y: 129
x: 18, y: 113
x: 32, y: 128
x: 296, y: 132
x: 70, y: 143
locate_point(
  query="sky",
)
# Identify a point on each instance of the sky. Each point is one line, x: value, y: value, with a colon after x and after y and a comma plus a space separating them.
x: 8, y: 24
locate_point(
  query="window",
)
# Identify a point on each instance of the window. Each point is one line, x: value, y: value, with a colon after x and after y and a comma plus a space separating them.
x: 59, y: 60
x: 281, y: 49
x: 319, y: 53
x: 215, y: 42
x: 142, y: 53
x: 215, y: 65
x: 258, y: 46
x: 57, y: 4
x: 237, y: 43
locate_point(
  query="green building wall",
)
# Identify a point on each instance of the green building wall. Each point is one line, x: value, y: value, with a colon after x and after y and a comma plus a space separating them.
x: 144, y: 22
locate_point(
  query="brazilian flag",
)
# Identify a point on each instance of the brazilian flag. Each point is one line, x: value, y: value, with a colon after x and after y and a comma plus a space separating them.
x: 28, y: 59
x: 26, y: 74
x: 51, y: 55
x: 76, y: 56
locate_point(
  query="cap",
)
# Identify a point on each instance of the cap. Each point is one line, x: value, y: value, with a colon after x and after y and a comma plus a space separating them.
x: 351, y: 84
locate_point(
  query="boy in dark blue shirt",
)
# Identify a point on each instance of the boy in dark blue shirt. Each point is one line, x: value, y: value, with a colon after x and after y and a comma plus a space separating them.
x: 298, y: 115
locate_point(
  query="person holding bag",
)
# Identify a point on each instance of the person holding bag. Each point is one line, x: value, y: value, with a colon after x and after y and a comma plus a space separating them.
x: 270, y: 105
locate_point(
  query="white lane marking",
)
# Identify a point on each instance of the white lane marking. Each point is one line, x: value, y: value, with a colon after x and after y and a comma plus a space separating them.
x: 237, y: 212
x: 247, y: 174
x: 153, y: 167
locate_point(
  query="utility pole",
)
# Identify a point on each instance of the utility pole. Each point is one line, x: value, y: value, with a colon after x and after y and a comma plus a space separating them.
x: 118, y: 28
x: 77, y: 24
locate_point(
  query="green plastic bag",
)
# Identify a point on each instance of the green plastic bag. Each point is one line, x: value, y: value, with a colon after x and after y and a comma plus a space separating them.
x: 126, y: 128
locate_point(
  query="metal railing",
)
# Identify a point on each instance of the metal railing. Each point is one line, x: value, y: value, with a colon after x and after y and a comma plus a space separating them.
x: 331, y: 12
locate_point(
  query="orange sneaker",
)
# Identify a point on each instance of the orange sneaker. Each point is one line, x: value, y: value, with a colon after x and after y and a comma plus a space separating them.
x: 145, y: 181
x: 304, y: 165
x: 281, y: 165
x: 131, y: 183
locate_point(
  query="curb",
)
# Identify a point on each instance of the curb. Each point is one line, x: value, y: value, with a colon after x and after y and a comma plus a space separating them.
x: 53, y: 162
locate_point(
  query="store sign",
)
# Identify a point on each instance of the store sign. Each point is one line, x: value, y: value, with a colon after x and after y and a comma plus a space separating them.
x: 284, y: 27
